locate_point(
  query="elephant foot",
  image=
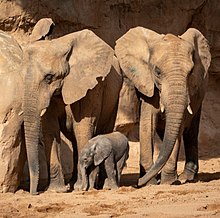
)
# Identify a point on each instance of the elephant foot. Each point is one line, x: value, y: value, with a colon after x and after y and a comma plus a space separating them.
x: 189, y: 174
x: 8, y: 188
x: 58, y: 189
x: 92, y: 189
x: 34, y: 193
x: 84, y: 188
x: 56, y: 179
x: 110, y: 185
x: 169, y: 178
x: 78, y: 186
x: 153, y: 181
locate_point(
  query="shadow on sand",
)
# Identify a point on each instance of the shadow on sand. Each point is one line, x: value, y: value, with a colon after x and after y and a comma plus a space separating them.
x: 208, y: 177
x: 131, y: 179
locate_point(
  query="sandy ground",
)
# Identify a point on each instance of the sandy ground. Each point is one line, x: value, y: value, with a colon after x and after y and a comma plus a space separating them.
x: 200, y: 199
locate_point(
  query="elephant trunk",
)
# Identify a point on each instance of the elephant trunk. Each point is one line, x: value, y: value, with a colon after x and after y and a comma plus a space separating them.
x: 32, y: 132
x: 175, y: 108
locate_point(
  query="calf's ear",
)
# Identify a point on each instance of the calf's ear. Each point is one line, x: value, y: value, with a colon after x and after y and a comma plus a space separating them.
x: 102, y: 151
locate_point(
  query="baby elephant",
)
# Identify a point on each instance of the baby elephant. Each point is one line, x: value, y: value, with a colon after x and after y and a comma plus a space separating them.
x: 104, y: 155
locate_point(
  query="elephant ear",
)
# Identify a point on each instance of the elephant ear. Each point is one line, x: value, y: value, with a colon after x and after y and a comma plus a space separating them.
x: 133, y: 53
x: 42, y: 29
x: 102, y: 150
x: 202, y: 51
x: 91, y: 58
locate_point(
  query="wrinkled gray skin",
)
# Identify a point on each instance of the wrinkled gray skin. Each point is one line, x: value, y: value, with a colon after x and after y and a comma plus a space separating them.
x: 72, y: 84
x: 78, y: 123
x: 12, y: 153
x: 171, y: 76
x: 110, y: 151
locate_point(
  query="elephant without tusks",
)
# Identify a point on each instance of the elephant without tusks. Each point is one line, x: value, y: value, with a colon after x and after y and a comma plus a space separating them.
x: 106, y: 155
x: 170, y: 73
x: 81, y: 70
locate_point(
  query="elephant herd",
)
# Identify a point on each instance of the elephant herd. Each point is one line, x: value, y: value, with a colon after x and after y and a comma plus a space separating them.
x: 72, y: 85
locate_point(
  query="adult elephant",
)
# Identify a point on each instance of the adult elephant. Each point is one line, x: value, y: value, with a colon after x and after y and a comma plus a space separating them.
x: 170, y: 73
x: 12, y: 149
x: 78, y: 66
x: 12, y: 153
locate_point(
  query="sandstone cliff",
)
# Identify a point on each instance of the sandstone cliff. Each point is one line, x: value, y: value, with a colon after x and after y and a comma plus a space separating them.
x: 111, y: 18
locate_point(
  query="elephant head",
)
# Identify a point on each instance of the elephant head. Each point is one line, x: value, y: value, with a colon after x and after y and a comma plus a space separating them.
x: 93, y: 155
x: 71, y: 65
x: 166, y: 63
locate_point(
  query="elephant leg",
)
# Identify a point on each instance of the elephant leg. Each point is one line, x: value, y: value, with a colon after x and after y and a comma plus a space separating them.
x: 51, y: 138
x: 169, y: 171
x: 147, y: 130
x: 101, y: 176
x: 120, y: 165
x: 85, y: 180
x: 12, y: 153
x: 85, y: 114
x: 92, y: 177
x: 190, y: 137
x: 83, y: 132
x: 56, y: 175
x: 110, y: 182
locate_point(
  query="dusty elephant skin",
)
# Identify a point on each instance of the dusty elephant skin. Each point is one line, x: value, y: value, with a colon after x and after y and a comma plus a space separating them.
x: 104, y: 154
x: 170, y: 74
x: 12, y: 146
x: 12, y: 153
x: 84, y: 70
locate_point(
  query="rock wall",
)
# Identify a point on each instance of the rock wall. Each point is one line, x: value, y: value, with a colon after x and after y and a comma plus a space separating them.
x: 111, y: 18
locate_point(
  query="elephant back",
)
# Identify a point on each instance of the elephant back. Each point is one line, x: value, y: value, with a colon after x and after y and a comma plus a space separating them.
x: 10, y: 53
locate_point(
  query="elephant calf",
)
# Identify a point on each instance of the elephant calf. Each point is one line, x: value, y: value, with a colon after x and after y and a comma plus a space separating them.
x: 104, y: 155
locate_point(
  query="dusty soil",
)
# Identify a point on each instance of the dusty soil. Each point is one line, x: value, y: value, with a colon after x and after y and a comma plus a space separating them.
x: 200, y: 199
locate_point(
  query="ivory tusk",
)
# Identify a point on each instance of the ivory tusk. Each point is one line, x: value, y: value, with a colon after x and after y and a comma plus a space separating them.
x: 20, y: 113
x: 189, y: 109
x: 162, y: 108
x: 43, y: 112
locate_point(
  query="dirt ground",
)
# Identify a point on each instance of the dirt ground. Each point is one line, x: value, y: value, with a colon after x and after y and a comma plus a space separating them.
x: 200, y: 199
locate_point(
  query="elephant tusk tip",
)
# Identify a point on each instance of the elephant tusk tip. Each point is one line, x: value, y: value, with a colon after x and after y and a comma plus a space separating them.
x: 43, y: 112
x: 20, y: 113
x: 162, y: 108
x: 189, y: 109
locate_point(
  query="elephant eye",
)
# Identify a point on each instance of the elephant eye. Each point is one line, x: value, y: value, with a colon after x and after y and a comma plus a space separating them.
x: 157, y: 71
x: 48, y: 78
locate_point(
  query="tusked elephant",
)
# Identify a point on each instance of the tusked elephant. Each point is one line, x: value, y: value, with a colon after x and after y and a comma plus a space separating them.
x: 72, y: 84
x: 170, y: 73
x: 104, y: 154
x: 12, y: 146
